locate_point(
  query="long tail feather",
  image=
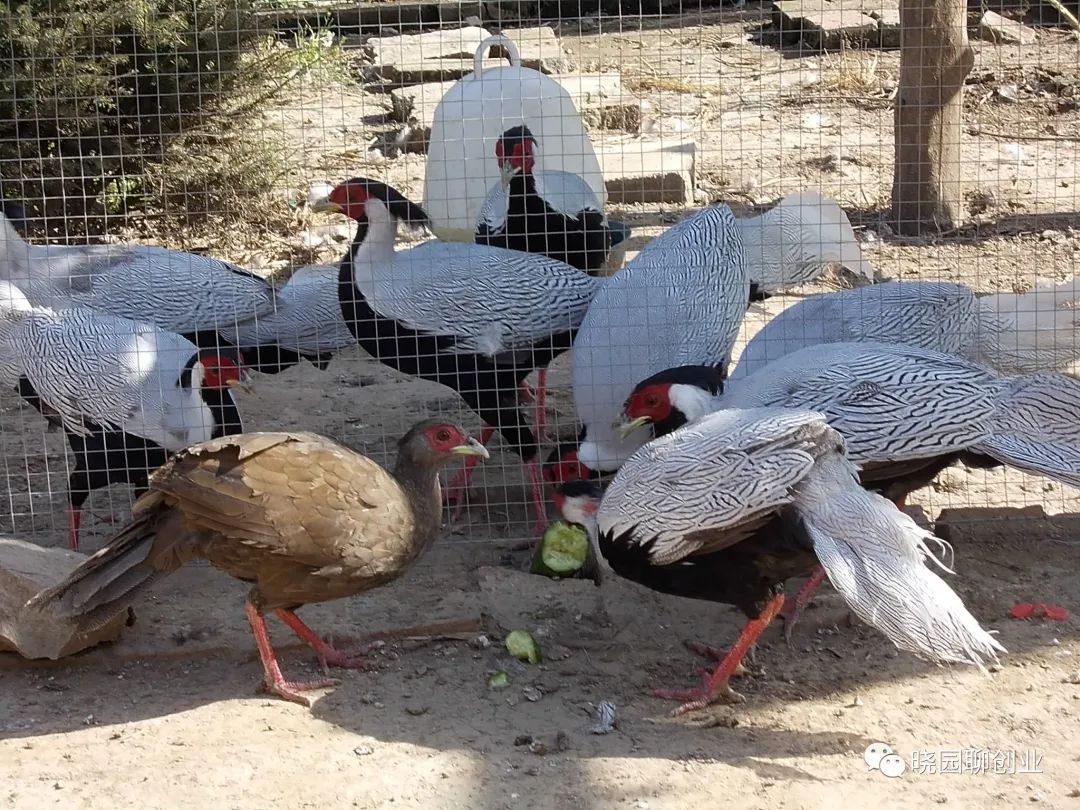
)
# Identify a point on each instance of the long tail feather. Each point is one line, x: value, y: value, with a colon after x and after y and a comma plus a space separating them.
x: 1037, y: 427
x: 1038, y: 330
x: 876, y: 557
x: 110, y: 580
x: 792, y: 243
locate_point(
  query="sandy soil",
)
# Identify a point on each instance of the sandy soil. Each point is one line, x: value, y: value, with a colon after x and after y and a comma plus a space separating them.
x: 169, y: 717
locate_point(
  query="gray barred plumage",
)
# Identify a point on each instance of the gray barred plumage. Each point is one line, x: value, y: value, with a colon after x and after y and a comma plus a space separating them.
x: 681, y: 302
x: 491, y: 301
x: 307, y: 318
x: 678, y: 302
x: 1034, y: 331
x: 711, y: 483
x: 894, y: 403
x: 115, y: 372
x: 179, y: 292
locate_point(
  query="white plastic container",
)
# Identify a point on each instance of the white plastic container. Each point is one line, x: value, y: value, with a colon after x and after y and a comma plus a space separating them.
x: 461, y: 165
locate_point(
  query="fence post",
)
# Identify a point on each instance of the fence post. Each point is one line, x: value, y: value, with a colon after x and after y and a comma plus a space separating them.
x: 935, y: 58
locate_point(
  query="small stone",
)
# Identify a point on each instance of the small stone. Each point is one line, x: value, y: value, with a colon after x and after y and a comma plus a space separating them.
x: 416, y: 710
x: 532, y: 694
x: 539, y: 748
x: 522, y: 739
x: 1073, y: 678
x: 1008, y: 92
x: 363, y: 750
x: 995, y: 28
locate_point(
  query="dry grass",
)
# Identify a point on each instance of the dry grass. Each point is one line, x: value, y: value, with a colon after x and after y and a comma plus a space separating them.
x: 639, y: 83
x: 853, y: 73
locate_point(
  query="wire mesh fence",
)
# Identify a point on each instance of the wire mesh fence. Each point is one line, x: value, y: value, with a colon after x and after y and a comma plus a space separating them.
x: 218, y: 127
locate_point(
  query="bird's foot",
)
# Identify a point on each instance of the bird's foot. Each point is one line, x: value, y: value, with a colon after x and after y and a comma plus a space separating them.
x: 718, y: 654
x: 328, y: 655
x: 290, y: 690
x: 702, y: 696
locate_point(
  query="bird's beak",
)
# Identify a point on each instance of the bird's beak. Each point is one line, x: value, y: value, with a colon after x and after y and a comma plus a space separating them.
x: 507, y: 172
x: 471, y: 448
x: 624, y: 429
x: 241, y: 385
x: 326, y: 204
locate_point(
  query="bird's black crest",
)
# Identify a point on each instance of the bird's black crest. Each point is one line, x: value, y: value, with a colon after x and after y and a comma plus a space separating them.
x: 709, y: 378
x: 518, y: 133
x: 400, y: 207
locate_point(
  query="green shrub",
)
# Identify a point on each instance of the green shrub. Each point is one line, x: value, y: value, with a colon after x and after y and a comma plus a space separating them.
x: 94, y: 92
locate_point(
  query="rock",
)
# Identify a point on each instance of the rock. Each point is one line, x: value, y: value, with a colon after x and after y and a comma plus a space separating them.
x: 641, y: 171
x: 539, y: 48
x: 995, y: 28
x: 888, y: 22
x: 822, y: 24
x: 600, y: 98
x: 434, y: 56
x: 26, y: 569
x: 979, y: 525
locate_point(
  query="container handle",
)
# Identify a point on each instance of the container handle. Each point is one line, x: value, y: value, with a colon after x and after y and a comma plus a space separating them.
x: 502, y: 41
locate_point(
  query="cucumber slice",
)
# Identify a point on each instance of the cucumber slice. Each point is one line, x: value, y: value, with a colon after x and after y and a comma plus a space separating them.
x: 562, y: 551
x: 523, y: 646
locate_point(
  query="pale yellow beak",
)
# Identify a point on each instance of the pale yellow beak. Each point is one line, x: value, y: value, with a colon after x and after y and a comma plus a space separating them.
x: 471, y: 448
x: 507, y: 172
x: 243, y: 386
x: 325, y: 204
x: 624, y: 429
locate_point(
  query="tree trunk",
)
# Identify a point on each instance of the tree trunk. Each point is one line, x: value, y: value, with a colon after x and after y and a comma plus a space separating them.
x: 935, y: 58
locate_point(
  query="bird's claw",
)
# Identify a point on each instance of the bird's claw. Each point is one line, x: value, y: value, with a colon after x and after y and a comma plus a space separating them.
x: 290, y: 690
x: 700, y: 697
x: 716, y: 653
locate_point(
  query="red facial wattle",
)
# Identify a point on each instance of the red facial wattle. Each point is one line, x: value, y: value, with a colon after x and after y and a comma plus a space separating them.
x: 653, y: 402
x: 350, y: 197
x: 220, y: 372
x: 522, y: 157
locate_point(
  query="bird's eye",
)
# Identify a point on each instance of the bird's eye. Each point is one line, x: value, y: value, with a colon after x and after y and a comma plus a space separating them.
x: 652, y: 401
x: 443, y: 435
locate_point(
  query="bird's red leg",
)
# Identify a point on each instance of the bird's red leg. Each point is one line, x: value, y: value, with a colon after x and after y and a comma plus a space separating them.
x: 717, y: 684
x: 328, y: 656
x: 794, y: 607
x: 74, y: 519
x: 273, y: 680
x: 457, y: 491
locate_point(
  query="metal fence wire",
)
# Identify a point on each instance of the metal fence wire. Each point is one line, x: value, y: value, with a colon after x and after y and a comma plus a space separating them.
x: 144, y: 145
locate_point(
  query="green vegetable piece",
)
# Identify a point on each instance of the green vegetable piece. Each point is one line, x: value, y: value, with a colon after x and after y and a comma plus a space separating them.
x: 523, y: 646
x: 562, y: 551
x: 499, y: 680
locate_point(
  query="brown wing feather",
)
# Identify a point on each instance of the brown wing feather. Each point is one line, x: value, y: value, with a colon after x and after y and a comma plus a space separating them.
x: 294, y: 494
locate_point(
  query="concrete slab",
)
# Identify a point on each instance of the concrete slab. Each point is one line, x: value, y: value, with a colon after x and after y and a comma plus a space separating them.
x: 539, y: 48
x: 649, y: 171
x: 995, y: 28
x: 822, y: 24
x: 433, y: 56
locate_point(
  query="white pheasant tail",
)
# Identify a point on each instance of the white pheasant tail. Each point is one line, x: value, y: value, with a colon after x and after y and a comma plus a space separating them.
x: 731, y: 469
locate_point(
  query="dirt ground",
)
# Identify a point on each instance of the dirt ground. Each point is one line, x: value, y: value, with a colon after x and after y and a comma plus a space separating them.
x: 169, y: 716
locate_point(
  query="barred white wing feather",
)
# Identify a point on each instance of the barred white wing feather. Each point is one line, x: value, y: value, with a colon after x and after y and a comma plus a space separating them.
x: 490, y: 300
x: 307, y: 318
x: 493, y: 211
x: 1036, y: 427
x: 179, y: 292
x: 889, y: 402
x: 876, y: 557
x: 678, y: 302
x: 793, y: 242
x: 112, y: 371
x: 927, y: 314
x: 726, y: 470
